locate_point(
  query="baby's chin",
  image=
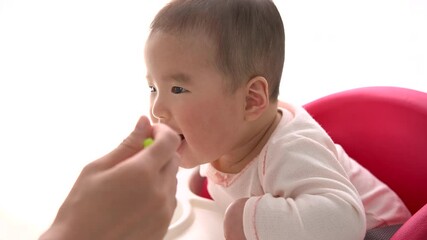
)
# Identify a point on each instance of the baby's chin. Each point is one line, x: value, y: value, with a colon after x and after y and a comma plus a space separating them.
x: 189, y: 163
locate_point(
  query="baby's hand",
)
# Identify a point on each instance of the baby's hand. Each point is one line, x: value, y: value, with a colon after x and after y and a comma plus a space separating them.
x: 233, y: 220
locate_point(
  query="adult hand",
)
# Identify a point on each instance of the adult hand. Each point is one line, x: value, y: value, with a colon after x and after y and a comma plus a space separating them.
x: 127, y: 194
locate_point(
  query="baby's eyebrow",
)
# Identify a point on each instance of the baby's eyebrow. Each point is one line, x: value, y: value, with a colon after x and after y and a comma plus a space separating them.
x: 180, y: 77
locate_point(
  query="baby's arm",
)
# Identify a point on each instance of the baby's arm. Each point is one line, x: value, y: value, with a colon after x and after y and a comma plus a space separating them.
x: 307, y: 196
x: 233, y: 220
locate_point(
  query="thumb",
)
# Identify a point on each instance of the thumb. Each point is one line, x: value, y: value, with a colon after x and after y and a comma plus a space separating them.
x: 130, y: 145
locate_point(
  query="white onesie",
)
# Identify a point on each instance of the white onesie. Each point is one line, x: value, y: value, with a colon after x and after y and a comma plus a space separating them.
x: 303, y: 186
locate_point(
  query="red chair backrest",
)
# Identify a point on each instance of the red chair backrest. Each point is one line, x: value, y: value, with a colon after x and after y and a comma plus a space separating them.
x: 385, y: 130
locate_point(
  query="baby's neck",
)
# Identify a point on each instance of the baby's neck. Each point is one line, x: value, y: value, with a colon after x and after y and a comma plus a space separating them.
x: 252, y: 145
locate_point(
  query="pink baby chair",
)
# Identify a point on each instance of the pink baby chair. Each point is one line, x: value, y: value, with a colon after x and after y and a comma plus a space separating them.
x: 385, y: 130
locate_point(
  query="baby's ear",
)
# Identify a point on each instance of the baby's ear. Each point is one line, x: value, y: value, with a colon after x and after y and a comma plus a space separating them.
x: 257, y: 98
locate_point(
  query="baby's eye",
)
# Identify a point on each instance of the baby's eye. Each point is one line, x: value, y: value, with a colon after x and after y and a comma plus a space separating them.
x: 178, y: 90
x: 152, y: 89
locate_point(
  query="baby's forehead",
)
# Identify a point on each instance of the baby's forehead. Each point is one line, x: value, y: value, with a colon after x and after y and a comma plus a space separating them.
x: 181, y: 47
x: 190, y: 37
x: 199, y: 43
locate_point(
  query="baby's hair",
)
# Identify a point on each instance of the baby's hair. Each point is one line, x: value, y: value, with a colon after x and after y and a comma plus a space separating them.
x: 248, y: 35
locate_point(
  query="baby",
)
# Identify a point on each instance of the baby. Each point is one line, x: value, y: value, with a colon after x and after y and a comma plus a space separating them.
x: 214, y: 69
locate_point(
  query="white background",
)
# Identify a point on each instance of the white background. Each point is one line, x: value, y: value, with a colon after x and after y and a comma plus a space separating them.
x: 72, y: 80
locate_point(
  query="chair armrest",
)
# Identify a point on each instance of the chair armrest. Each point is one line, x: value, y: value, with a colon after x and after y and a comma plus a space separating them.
x: 415, y: 228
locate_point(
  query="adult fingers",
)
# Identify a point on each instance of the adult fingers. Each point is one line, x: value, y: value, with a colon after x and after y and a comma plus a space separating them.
x: 129, y: 147
x: 161, y: 152
x: 166, y: 142
x: 168, y: 175
x: 171, y: 168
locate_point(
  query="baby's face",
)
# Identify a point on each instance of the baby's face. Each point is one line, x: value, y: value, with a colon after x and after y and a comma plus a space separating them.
x: 188, y: 94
